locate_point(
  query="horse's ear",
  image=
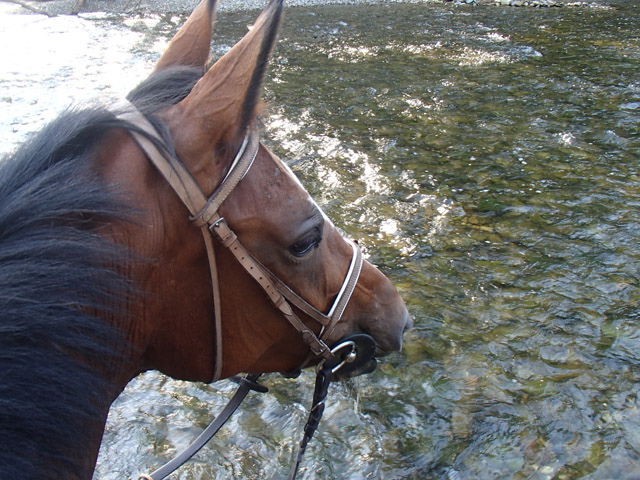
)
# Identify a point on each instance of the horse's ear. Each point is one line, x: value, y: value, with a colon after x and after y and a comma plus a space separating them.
x: 225, y: 100
x: 192, y: 44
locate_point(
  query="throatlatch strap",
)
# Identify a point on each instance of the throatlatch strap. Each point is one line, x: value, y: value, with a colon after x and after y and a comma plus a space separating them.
x: 174, y: 172
x: 187, y: 189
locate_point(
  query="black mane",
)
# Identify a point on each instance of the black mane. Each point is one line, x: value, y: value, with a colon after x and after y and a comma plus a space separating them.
x: 56, y: 273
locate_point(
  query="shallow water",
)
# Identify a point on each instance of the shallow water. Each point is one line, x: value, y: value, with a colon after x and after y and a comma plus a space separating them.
x: 487, y: 159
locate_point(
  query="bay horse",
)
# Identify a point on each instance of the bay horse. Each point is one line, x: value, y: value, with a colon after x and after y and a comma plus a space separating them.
x: 104, y: 273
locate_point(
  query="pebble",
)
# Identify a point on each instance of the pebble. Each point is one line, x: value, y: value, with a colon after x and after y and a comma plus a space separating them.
x: 529, y: 3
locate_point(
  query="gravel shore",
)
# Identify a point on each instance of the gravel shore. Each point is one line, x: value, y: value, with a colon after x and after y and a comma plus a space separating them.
x: 67, y: 7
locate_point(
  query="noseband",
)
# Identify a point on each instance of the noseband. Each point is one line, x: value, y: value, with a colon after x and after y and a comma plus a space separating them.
x: 205, y: 214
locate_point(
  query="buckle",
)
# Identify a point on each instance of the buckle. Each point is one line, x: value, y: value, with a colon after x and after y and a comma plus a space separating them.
x: 221, y: 229
x: 317, y: 346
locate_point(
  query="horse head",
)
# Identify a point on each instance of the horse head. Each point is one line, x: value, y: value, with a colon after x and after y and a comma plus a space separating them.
x: 274, y: 218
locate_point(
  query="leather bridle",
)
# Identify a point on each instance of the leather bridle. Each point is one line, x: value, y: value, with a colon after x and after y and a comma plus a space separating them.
x: 205, y: 214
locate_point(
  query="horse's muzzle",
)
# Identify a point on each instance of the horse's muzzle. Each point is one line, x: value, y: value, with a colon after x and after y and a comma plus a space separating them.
x: 393, y: 342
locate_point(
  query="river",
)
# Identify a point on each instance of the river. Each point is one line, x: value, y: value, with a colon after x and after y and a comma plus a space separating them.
x: 487, y: 158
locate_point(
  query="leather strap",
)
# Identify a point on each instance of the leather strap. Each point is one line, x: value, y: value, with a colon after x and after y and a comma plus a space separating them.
x: 245, y: 386
x: 261, y: 275
x: 176, y: 174
x: 208, y: 214
x: 172, y: 170
x: 329, y: 320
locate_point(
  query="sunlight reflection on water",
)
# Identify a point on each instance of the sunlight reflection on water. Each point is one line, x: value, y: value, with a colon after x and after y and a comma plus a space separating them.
x: 65, y: 60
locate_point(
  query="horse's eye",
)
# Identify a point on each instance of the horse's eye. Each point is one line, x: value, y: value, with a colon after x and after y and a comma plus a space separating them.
x: 305, y: 245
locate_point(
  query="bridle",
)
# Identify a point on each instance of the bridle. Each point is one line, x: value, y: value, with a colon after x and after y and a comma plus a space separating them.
x: 204, y: 213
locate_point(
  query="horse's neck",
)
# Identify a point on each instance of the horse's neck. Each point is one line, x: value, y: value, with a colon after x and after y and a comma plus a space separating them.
x: 80, y: 452
x: 113, y: 371
x: 87, y: 458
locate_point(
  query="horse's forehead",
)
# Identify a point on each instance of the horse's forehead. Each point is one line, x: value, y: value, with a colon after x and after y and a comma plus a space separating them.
x: 296, y: 181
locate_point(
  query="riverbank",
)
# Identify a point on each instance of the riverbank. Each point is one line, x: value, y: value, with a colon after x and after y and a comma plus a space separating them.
x: 70, y: 7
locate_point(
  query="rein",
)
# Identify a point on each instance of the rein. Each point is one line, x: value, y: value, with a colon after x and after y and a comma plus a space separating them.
x: 347, y: 355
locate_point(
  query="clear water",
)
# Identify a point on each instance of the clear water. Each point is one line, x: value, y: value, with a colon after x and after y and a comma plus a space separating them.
x: 487, y: 159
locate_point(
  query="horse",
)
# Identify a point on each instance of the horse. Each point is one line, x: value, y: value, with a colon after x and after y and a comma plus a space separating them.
x: 104, y: 272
